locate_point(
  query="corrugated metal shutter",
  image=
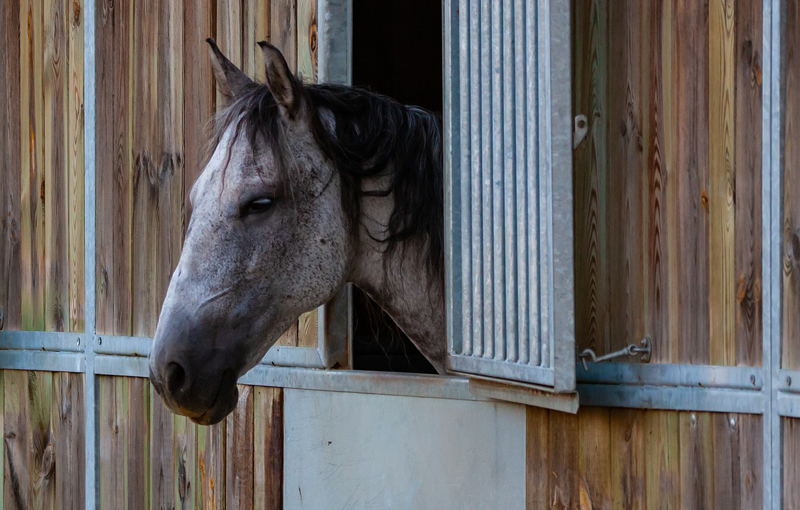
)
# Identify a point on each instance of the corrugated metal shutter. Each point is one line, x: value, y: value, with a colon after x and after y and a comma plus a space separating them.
x: 509, y: 191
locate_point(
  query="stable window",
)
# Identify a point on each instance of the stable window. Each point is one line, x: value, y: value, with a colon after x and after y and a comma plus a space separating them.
x: 509, y: 194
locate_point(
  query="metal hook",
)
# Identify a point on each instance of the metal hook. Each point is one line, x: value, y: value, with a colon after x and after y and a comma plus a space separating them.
x: 644, y: 349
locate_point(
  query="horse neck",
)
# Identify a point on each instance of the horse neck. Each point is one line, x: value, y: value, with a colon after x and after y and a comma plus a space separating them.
x: 399, y: 281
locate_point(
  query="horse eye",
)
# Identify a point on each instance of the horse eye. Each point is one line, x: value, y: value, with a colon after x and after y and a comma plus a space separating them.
x: 257, y: 206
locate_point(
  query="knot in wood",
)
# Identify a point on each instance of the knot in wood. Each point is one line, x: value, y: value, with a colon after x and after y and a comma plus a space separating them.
x: 48, y: 461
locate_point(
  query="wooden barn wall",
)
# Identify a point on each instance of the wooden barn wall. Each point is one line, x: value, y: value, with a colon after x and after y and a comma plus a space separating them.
x: 155, y: 102
x: 156, y: 99
x: 668, y: 178
x: 628, y: 458
x: 42, y: 422
x: 41, y: 148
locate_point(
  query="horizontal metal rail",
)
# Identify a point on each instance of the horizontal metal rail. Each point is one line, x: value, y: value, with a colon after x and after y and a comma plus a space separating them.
x: 698, y: 376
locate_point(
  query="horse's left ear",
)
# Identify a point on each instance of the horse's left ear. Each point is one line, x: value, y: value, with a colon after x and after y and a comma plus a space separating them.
x: 284, y: 86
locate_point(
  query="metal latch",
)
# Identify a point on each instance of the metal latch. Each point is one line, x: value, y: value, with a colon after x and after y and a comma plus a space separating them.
x: 579, y: 130
x: 643, y: 349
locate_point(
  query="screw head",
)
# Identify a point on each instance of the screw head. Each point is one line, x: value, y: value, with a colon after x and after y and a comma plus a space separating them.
x: 733, y: 422
x: 99, y: 340
x: 788, y: 381
x: 693, y: 418
x: 753, y: 379
x: 79, y: 341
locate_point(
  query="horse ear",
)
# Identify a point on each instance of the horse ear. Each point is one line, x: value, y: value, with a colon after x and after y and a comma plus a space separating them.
x: 230, y: 80
x: 283, y: 85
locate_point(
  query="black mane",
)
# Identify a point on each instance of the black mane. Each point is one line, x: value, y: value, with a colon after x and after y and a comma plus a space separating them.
x: 373, y: 134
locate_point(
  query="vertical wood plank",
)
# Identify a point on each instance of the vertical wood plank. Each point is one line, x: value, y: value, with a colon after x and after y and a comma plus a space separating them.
x: 307, y: 40
x: 268, y: 448
x: 54, y: 83
x: 691, y: 173
x: 791, y: 466
x: 162, y: 445
x: 74, y: 143
x: 563, y: 457
x: 726, y: 460
x: 3, y: 433
x: 594, y: 438
x: 68, y: 418
x: 663, y: 469
x: 629, y: 461
x: 32, y: 157
x: 121, y: 196
x: 198, y: 100
x: 721, y: 182
x: 537, y: 458
x: 168, y: 150
x: 18, y: 461
x: 283, y: 30
x: 186, y: 492
x: 43, y: 469
x: 626, y: 186
x: 696, y: 460
x: 239, y: 453
x: 210, y: 473
x: 747, y: 178
x: 751, y: 483
x: 256, y: 27
x: 110, y: 469
x: 10, y: 185
x: 791, y: 181
x: 106, y: 75
x: 658, y: 221
x: 229, y: 35
x: 145, y: 168
x: 308, y: 330
x: 590, y: 96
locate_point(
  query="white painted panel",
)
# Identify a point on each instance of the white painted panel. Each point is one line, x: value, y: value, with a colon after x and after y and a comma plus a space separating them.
x: 363, y: 452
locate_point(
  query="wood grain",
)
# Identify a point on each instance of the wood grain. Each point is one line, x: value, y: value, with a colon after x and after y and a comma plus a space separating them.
x: 68, y: 418
x: 19, y: 459
x: 791, y: 182
x: 696, y: 460
x: 74, y: 143
x: 537, y: 458
x: 186, y: 492
x: 307, y: 40
x: 54, y: 190
x: 210, y: 474
x: 283, y: 29
x: 721, y: 181
x: 662, y: 454
x: 563, y: 454
x: 10, y: 184
x: 239, y: 453
x: 629, y: 461
x: 268, y: 448
x: 791, y: 463
x: 229, y: 35
x: 747, y: 203
x: 595, y: 460
x: 162, y: 452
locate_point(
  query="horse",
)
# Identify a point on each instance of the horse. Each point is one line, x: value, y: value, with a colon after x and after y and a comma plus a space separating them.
x: 307, y: 187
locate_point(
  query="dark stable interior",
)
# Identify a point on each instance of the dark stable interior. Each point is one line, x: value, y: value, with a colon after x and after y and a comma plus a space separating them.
x: 397, y: 51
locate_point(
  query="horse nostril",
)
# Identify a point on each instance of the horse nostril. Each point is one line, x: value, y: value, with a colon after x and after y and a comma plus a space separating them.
x: 176, y: 378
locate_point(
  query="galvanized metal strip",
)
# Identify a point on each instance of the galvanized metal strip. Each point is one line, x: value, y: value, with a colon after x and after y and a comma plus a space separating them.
x: 698, y: 376
x: 485, y: 258
x: 89, y: 148
x: 532, y: 146
x: 509, y: 187
x: 124, y: 366
x: 458, y: 101
x: 476, y: 156
x: 789, y: 381
x: 42, y: 341
x: 676, y: 399
x: 772, y: 165
x: 42, y: 360
x: 502, y: 369
x: 520, y: 162
x: 562, y: 402
x: 123, y: 345
x: 498, y: 282
x: 335, y: 41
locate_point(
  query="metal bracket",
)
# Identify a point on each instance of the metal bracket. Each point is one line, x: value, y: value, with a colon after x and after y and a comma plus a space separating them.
x: 642, y: 349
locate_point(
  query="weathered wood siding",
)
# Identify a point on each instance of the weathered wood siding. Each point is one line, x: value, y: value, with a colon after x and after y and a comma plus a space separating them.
x: 628, y: 458
x: 155, y: 100
x: 791, y: 181
x: 150, y: 458
x: 41, y: 145
x: 42, y: 422
x: 668, y: 178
